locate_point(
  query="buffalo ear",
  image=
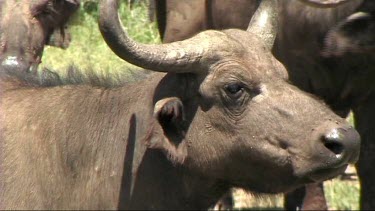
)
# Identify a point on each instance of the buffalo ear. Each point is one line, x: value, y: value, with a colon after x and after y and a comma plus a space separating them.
x: 166, y: 130
x: 355, y: 34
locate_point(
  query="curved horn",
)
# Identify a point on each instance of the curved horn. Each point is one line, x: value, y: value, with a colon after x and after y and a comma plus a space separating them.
x: 264, y: 22
x: 324, y: 3
x: 181, y: 56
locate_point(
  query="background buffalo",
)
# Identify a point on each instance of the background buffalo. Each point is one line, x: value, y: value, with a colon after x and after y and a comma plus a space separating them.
x: 27, y: 26
x: 327, y: 51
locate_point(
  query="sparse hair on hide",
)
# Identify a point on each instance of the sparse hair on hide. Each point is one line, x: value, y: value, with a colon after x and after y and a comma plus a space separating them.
x: 74, y: 76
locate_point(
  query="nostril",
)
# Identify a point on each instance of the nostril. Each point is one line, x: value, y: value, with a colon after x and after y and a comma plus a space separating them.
x: 334, y: 142
x: 342, y: 142
x: 335, y: 147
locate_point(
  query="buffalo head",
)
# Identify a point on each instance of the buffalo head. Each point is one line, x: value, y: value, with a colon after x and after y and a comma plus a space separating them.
x: 248, y: 126
x: 27, y: 25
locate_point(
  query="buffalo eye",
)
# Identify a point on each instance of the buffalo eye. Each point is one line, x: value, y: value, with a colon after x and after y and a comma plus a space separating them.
x: 234, y: 90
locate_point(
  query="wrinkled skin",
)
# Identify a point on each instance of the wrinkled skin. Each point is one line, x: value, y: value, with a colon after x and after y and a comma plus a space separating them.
x: 178, y: 140
x: 26, y: 26
x: 330, y: 53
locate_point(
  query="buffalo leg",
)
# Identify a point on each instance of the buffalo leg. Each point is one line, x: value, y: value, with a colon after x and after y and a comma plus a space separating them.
x: 226, y: 202
x: 309, y: 197
x: 293, y: 200
x: 364, y: 118
x: 314, y: 197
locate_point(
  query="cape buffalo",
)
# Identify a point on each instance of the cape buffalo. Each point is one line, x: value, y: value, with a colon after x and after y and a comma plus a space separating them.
x: 217, y: 113
x: 181, y: 19
x: 330, y: 53
x: 327, y: 51
x: 27, y: 25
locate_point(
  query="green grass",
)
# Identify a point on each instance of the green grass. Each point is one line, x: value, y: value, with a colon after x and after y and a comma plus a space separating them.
x: 89, y: 51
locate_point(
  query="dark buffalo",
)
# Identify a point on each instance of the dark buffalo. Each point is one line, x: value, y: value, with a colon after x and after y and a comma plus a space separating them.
x: 330, y: 53
x: 181, y: 19
x: 327, y: 51
x: 26, y: 26
x: 217, y: 113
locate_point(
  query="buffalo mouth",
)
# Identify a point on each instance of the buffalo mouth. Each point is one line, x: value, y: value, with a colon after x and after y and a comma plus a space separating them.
x: 326, y: 174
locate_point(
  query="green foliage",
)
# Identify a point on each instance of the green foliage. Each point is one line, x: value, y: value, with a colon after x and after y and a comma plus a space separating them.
x: 88, y: 49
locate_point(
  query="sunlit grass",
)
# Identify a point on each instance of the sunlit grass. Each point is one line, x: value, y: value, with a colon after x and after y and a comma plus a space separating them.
x: 340, y: 195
